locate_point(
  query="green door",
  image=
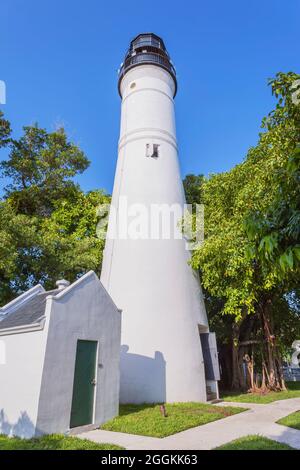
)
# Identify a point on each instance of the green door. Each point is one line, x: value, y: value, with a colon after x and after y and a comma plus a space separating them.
x: 84, y: 383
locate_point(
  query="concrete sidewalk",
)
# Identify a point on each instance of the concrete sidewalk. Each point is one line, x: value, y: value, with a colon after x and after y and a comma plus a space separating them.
x: 259, y: 419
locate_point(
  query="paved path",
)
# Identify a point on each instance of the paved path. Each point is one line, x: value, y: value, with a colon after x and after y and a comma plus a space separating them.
x: 259, y: 419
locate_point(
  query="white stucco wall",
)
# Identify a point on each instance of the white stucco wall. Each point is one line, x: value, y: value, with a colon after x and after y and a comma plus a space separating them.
x: 20, y: 381
x: 150, y: 280
x: 83, y: 312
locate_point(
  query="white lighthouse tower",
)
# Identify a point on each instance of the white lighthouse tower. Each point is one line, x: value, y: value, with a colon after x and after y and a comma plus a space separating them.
x: 149, y: 278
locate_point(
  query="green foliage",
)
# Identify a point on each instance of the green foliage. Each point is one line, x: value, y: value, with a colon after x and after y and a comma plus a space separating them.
x: 44, y: 249
x: 274, y: 228
x: 237, y: 261
x: 254, y: 443
x: 47, y: 224
x: 5, y: 130
x: 292, y: 420
x: 249, y: 262
x: 286, y: 321
x: 293, y: 391
x: 53, y: 442
x: 40, y: 167
x: 193, y: 188
x: 225, y: 269
x: 147, y: 420
x: 17, y: 233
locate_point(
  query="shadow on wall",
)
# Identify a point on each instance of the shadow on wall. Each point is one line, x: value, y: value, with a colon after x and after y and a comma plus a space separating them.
x: 137, y: 372
x: 24, y: 427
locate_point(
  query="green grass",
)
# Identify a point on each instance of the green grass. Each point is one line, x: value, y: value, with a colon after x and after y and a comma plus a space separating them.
x: 292, y: 392
x: 292, y: 420
x: 254, y: 443
x: 52, y: 442
x: 147, y: 420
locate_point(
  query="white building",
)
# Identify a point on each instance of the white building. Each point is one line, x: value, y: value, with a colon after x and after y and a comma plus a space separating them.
x: 164, y: 315
x: 59, y: 358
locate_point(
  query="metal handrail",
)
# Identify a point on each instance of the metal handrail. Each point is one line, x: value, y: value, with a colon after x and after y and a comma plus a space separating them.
x: 148, y: 57
x: 154, y: 52
x: 147, y: 42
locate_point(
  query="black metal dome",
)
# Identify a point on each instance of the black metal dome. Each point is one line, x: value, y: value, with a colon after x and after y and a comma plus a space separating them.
x: 147, y: 48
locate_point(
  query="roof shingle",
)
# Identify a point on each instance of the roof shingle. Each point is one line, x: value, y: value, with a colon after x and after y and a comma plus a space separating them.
x: 27, y: 313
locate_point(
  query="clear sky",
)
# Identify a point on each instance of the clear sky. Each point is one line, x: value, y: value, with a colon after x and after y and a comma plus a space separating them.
x: 59, y: 59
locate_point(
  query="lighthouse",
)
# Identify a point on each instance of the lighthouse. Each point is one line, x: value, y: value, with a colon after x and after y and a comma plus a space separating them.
x: 167, y: 351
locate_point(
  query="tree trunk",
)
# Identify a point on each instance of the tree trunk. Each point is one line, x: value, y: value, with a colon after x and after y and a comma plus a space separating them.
x: 225, y: 360
x: 273, y: 366
x: 238, y: 377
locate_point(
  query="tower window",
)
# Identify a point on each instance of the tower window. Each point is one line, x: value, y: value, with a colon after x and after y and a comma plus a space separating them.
x: 155, y: 153
x: 152, y: 150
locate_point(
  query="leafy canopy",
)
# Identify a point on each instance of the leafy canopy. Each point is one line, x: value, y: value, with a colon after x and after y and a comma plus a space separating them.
x: 47, y: 224
x: 40, y: 168
x: 237, y: 204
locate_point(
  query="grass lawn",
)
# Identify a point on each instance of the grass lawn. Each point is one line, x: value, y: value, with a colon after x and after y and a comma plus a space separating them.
x: 147, y: 420
x: 52, y: 442
x: 292, y: 420
x: 254, y: 443
x: 292, y: 392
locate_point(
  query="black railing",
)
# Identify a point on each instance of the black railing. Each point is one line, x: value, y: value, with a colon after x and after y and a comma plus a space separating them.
x: 148, y: 58
x: 146, y: 42
x: 147, y: 48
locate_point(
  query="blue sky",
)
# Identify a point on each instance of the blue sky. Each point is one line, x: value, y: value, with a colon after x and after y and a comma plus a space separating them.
x: 59, y: 59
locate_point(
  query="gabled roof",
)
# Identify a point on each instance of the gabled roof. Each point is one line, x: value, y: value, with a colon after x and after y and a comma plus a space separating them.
x: 15, y: 303
x: 28, y: 312
x: 29, y: 308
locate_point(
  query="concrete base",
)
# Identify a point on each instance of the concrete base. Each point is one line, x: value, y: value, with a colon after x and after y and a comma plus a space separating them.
x: 82, y: 429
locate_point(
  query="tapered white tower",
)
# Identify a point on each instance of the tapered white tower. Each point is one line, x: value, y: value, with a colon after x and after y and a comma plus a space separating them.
x: 150, y: 279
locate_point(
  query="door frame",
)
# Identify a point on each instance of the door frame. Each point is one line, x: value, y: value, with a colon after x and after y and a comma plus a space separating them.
x: 96, y: 378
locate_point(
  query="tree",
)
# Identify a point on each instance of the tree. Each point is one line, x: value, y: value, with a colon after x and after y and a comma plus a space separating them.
x: 275, y: 229
x: 230, y: 268
x: 47, y: 224
x: 193, y: 188
x: 17, y: 233
x: 41, y: 166
x: 41, y: 250
x: 5, y: 130
x: 70, y: 236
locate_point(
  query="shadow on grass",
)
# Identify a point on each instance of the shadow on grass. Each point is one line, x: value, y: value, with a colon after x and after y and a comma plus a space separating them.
x: 149, y: 420
x: 52, y: 442
x: 129, y: 409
